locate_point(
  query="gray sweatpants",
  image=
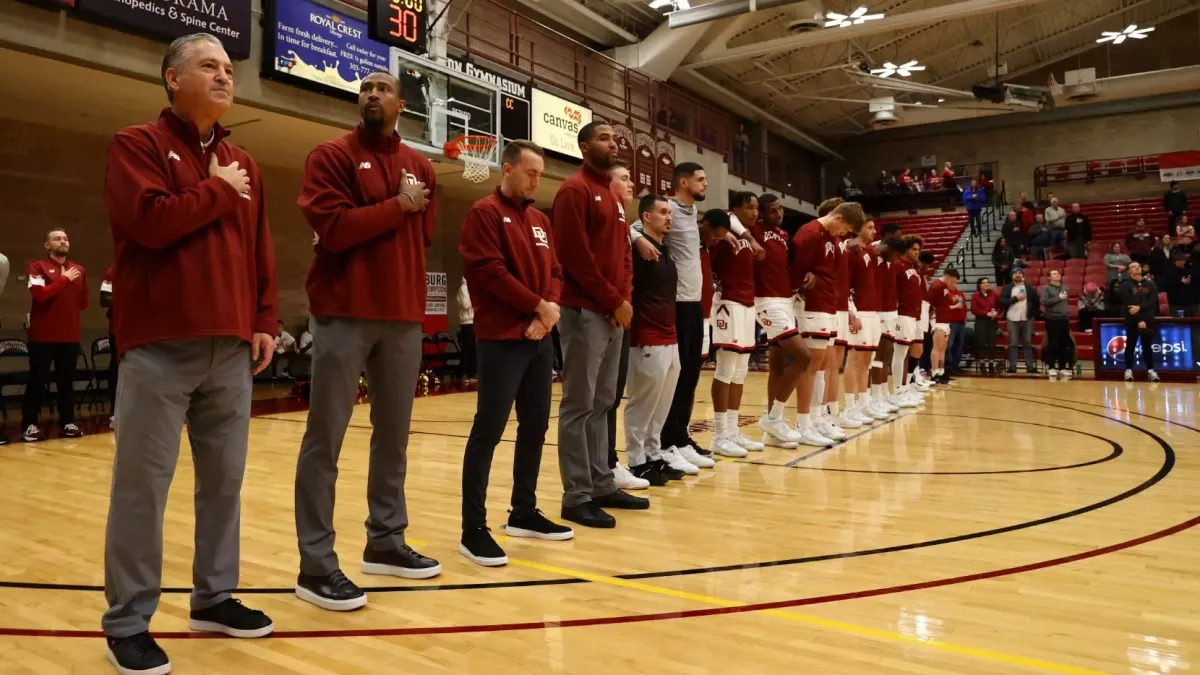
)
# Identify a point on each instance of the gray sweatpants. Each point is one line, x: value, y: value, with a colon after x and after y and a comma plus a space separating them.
x: 653, y: 372
x: 591, y: 356
x: 206, y: 383
x: 390, y: 351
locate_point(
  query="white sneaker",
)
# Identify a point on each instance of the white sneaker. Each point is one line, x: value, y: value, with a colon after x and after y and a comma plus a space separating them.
x: 1052, y: 374
x: 810, y: 436
x: 775, y: 442
x: 778, y: 428
x: 727, y: 448
x: 748, y: 443
x: 828, y: 429
x: 1064, y: 374
x: 846, y: 421
x: 1128, y: 375
x: 878, y: 409
x: 916, y: 399
x: 1152, y: 375
x: 625, y: 480
x: 902, y: 400
x: 860, y: 415
x: 675, y: 461
x: 689, y: 455
x: 886, y: 405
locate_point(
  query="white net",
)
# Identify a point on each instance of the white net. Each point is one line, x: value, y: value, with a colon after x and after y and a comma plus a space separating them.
x: 476, y: 154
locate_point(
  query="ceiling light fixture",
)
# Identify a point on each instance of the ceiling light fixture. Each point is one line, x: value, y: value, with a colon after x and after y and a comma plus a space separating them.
x: 855, y: 18
x: 1131, y: 31
x: 670, y: 4
x: 890, y: 69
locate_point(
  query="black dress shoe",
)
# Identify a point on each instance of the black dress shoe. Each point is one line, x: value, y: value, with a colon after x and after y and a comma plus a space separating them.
x: 232, y: 618
x: 621, y: 500
x: 331, y: 591
x: 404, y: 563
x: 588, y: 515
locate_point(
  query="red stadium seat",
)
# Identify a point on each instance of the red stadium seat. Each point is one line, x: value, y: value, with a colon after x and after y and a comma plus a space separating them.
x: 1075, y: 262
x: 1073, y: 311
x: 1055, y: 264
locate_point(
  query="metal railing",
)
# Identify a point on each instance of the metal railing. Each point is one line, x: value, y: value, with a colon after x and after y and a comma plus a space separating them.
x: 1091, y: 170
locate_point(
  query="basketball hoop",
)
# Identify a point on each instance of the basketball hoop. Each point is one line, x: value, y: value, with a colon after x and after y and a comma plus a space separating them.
x: 476, y: 153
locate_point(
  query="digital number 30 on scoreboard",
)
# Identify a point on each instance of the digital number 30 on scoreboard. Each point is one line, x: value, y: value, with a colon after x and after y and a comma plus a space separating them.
x: 399, y: 23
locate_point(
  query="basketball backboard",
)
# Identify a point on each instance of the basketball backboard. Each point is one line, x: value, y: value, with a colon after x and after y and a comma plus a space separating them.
x: 446, y: 104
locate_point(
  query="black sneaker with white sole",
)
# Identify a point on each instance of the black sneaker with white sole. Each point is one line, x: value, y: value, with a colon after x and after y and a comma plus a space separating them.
x: 649, y: 471
x: 536, y: 525
x: 479, y: 547
x: 137, y: 655
x: 665, y: 469
x: 404, y: 563
x: 232, y: 618
x: 699, y: 450
x: 333, y: 591
x: 32, y: 434
x: 70, y: 431
x: 618, y: 499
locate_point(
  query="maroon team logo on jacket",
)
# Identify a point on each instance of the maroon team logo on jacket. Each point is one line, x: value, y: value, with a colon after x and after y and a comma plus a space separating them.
x: 540, y: 236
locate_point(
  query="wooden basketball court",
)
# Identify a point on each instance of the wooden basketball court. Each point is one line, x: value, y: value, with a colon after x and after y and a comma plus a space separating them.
x: 1009, y: 526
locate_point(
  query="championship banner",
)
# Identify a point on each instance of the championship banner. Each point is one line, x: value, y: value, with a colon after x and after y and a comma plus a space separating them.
x: 666, y: 167
x: 625, y: 141
x: 1179, y: 165
x: 643, y: 165
x: 436, y: 293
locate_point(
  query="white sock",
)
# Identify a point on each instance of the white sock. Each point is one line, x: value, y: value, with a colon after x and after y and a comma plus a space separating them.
x: 718, y: 425
x: 803, y: 421
x: 850, y: 398
x: 939, y: 372
x: 731, y: 423
x: 899, y: 369
x: 777, y: 409
x: 864, y: 400
x: 833, y: 409
x: 818, y: 397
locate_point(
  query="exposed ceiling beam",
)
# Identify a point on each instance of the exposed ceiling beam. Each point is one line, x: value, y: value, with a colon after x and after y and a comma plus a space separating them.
x: 589, y: 23
x: 718, y: 54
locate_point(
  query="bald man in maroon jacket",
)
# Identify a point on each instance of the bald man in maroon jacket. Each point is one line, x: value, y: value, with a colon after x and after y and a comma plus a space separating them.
x: 196, y: 272
x: 366, y: 197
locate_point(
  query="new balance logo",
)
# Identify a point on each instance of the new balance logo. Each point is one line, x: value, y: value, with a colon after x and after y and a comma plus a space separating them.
x: 244, y: 195
x: 507, y: 219
x: 364, y: 165
x: 171, y: 155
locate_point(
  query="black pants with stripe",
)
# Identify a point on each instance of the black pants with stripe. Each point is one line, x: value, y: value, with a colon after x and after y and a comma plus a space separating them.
x: 689, y: 325
x: 41, y: 355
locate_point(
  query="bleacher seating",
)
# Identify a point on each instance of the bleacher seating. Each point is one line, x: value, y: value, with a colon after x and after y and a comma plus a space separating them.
x: 940, y: 230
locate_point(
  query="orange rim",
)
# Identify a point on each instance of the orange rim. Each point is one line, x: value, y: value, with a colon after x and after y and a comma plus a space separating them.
x: 475, y: 143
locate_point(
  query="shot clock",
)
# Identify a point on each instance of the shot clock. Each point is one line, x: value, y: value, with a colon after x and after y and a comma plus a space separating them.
x: 403, y: 24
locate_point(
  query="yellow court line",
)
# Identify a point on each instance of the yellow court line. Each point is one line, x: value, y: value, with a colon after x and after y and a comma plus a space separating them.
x: 817, y: 622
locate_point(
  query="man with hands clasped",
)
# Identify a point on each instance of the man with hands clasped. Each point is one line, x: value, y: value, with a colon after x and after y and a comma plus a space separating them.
x: 1139, y: 302
x: 512, y: 269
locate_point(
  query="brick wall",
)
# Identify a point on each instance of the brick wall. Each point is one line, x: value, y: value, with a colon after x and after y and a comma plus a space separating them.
x: 1019, y: 149
x: 54, y: 178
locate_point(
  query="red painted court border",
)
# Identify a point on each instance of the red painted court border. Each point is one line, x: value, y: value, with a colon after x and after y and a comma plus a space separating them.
x: 640, y: 618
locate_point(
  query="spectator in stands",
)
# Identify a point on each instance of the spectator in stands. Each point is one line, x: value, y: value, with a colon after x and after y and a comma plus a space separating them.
x: 949, y: 178
x: 1012, y: 231
x: 1056, y: 223
x: 905, y: 181
x: 1079, y: 232
x: 849, y: 189
x: 1116, y: 261
x: 933, y: 181
x: 1091, y: 305
x: 1175, y: 202
x: 984, y: 305
x: 887, y: 182
x: 741, y: 150
x: 1039, y: 237
x: 1140, y: 241
x: 974, y: 198
x: 1027, y: 210
x: 466, y: 330
x: 1057, y: 350
x: 285, y: 350
x: 1019, y: 302
x: 1139, y: 303
x: 1181, y: 294
x: 1160, y: 259
x: 985, y: 182
x: 1002, y: 260
x: 1185, y: 234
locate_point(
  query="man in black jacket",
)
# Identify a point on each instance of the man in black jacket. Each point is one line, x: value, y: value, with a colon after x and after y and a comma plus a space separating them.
x: 1175, y: 202
x: 1181, y: 295
x: 1138, y: 304
x: 1079, y: 232
x: 1020, y: 307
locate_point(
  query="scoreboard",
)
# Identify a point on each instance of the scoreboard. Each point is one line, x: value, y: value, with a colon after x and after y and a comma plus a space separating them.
x: 403, y: 24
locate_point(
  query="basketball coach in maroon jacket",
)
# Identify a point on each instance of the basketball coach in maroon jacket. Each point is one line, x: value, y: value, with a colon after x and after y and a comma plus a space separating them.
x: 196, y: 269
x: 366, y: 196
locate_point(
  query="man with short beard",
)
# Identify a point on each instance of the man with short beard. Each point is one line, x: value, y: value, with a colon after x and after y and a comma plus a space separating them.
x: 366, y: 195
x: 195, y: 269
x: 591, y: 238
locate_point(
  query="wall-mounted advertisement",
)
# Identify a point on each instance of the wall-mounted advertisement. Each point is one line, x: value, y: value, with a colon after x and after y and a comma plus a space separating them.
x: 309, y: 44
x: 556, y: 123
x: 229, y: 20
